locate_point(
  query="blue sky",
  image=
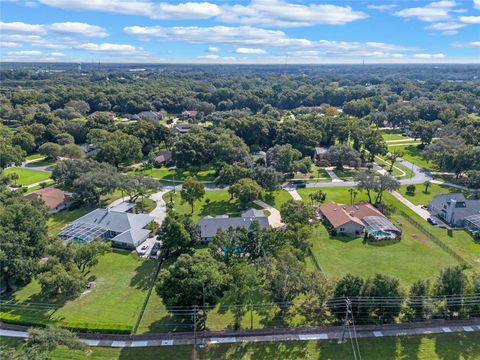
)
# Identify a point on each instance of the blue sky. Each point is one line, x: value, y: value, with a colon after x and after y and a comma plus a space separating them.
x: 241, y: 31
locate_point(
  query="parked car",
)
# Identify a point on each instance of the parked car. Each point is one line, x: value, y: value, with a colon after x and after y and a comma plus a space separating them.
x: 432, y: 221
x: 298, y: 183
x: 154, y: 250
x: 143, y: 250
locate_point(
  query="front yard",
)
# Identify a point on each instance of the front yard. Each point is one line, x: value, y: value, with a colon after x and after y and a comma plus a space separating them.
x: 177, y: 176
x: 121, y: 281
x: 420, y: 197
x: 27, y: 176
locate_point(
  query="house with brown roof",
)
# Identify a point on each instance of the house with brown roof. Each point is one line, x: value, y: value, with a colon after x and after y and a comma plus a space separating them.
x: 189, y: 114
x: 164, y: 157
x: 55, y: 199
x: 358, y: 219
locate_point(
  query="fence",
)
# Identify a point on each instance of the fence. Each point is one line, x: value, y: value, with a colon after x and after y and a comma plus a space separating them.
x: 435, y: 239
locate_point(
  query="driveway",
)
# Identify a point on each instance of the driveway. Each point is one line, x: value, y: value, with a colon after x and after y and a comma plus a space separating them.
x: 423, y: 213
x: 160, y: 212
x: 294, y: 193
x: 274, y: 219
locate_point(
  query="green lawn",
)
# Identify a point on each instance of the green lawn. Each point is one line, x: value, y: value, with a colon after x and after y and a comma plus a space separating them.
x: 121, y: 283
x: 346, y: 174
x: 317, y: 173
x: 43, y: 163
x: 413, y: 154
x: 28, y: 176
x: 215, y: 202
x: 206, y: 175
x: 456, y: 346
x: 399, y: 171
x: 422, y: 198
x: 37, y: 187
x: 35, y: 157
x: 145, y: 205
x: 277, y: 198
x: 394, y: 134
x: 413, y: 257
x: 58, y: 220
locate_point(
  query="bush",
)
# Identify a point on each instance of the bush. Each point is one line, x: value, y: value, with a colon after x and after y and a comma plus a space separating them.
x: 411, y: 189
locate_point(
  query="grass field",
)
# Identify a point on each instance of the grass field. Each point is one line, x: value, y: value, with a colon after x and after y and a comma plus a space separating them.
x: 394, y: 134
x: 413, y: 257
x: 464, y: 346
x: 42, y: 163
x: 346, y: 174
x: 422, y: 198
x: 399, y: 171
x: 35, y: 157
x: 215, y: 202
x: 58, y: 220
x: 121, y: 281
x: 413, y: 154
x: 37, y: 187
x: 28, y: 176
x: 145, y: 205
x: 206, y: 175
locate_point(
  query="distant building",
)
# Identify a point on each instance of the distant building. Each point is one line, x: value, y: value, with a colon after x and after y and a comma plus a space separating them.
x: 182, y: 127
x: 355, y: 220
x: 96, y: 114
x: 124, y: 229
x: 209, y: 225
x: 320, y: 157
x: 150, y: 115
x: 189, y: 114
x: 55, y: 199
x: 164, y: 157
x: 260, y: 155
x: 454, y: 208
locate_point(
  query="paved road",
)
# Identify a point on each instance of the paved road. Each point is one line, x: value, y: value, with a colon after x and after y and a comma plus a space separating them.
x: 160, y: 212
x: 267, y: 335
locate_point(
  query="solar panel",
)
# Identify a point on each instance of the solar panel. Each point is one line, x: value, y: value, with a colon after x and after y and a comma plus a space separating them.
x: 473, y: 221
x: 379, y: 223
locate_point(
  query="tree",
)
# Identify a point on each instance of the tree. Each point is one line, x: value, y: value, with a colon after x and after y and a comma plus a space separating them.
x: 296, y: 212
x: 385, y: 182
x: 9, y: 152
x: 138, y: 185
x: 451, y: 281
x: 283, y: 157
x: 339, y: 155
x: 267, y: 177
x: 192, y: 280
x: 411, y: 189
x: 229, y: 148
x: 61, y: 280
x: 51, y: 150
x: 229, y: 174
x: 86, y: 256
x: 426, y: 184
x: 393, y: 157
x: 176, y: 239
x: 318, y: 196
x: 228, y: 246
x: 349, y: 286
x: 381, y: 286
x: 366, y: 181
x: 72, y: 151
x: 425, y: 130
x: 23, y: 237
x: 14, y: 177
x: 374, y: 143
x: 90, y: 186
x: 49, y: 338
x: 246, y: 190
x: 416, y: 302
x: 191, y: 149
x: 120, y: 148
x: 192, y: 190
x: 353, y: 195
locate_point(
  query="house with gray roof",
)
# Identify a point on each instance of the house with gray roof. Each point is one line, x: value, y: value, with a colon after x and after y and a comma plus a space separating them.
x: 209, y: 225
x: 125, y: 230
x: 454, y: 208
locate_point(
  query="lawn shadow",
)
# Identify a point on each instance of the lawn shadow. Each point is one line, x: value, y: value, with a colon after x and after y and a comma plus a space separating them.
x: 219, y: 208
x: 260, y: 351
x: 344, y: 238
x: 144, y: 275
x: 468, y: 347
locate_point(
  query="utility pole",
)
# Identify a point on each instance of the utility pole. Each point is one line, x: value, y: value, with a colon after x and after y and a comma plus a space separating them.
x: 194, y: 332
x: 346, y: 326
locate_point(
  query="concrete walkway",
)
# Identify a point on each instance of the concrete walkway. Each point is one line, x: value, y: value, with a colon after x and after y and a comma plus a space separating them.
x: 294, y: 193
x: 424, y: 214
x: 160, y: 212
x: 333, y: 176
x: 323, y: 333
x: 275, y: 219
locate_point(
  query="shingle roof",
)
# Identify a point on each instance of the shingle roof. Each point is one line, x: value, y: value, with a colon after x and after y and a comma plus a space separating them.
x: 336, y: 214
x: 132, y: 237
x: 209, y: 225
x: 115, y: 220
x: 52, y: 197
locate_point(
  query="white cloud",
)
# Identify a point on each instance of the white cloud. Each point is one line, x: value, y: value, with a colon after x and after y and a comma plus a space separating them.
x: 20, y: 27
x: 109, y: 48
x: 213, y: 49
x: 25, y: 53
x: 445, y: 26
x: 284, y: 14
x: 429, y: 56
x: 260, y: 12
x: 382, y: 7
x: 76, y: 28
x: 217, y: 58
x: 435, y: 11
x: 57, y: 54
x: 476, y: 4
x: 250, y: 51
x: 209, y: 57
x: 65, y: 28
x: 470, y: 19
x: 10, y: 44
x: 471, y: 44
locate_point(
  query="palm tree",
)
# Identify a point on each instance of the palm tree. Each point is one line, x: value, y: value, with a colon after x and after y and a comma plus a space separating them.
x: 14, y: 176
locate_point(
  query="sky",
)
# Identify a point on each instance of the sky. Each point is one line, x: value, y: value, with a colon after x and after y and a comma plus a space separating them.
x: 241, y: 31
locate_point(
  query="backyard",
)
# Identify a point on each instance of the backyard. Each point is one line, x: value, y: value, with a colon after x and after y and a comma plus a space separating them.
x: 121, y: 281
x: 27, y: 176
